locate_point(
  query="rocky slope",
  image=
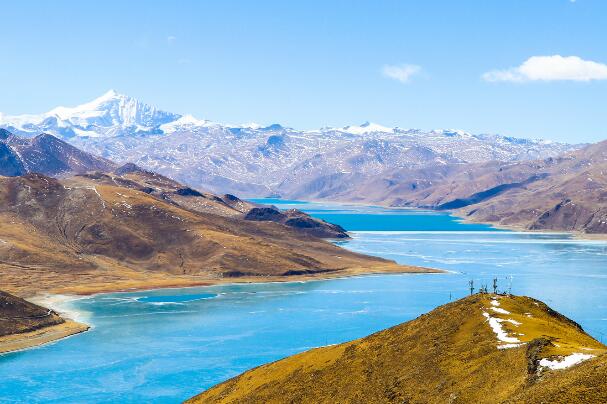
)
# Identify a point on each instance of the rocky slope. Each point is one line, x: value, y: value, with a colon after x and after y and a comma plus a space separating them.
x: 254, y: 160
x: 133, y: 228
x: 482, y: 349
x: 45, y: 154
x: 24, y: 324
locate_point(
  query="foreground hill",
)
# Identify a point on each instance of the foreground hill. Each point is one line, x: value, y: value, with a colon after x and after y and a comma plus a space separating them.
x: 24, y: 324
x: 480, y: 349
x: 133, y: 228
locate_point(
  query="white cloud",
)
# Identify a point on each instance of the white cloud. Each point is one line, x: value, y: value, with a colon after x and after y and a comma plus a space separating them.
x: 551, y: 68
x: 402, y: 73
x: 171, y: 39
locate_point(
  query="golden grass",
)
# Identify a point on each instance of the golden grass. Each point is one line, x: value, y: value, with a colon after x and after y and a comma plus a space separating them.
x: 145, y: 242
x: 447, y: 356
x: 536, y: 324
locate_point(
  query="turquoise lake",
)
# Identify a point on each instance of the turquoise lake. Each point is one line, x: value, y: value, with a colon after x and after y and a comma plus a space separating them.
x: 164, y: 346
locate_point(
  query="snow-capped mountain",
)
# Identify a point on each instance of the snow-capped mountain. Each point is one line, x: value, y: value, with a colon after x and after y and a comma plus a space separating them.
x: 110, y: 115
x: 256, y: 160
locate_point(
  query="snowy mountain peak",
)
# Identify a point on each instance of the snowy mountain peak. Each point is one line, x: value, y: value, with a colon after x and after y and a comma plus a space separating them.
x: 115, y: 115
x: 113, y: 109
x: 111, y: 114
x: 367, y: 127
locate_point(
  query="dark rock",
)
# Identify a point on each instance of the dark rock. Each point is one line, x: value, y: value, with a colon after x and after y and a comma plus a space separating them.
x: 188, y: 192
x: 128, y: 168
x: 298, y: 220
x: 265, y: 214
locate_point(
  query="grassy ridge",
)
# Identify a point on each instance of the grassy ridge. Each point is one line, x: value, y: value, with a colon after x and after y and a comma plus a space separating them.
x: 449, y: 355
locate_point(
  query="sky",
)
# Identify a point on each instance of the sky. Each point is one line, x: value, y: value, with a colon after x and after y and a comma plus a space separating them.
x: 534, y: 69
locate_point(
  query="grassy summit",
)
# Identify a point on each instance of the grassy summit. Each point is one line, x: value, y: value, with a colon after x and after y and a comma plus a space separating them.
x: 480, y: 349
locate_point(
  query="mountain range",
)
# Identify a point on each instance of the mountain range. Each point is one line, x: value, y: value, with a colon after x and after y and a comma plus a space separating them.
x: 530, y: 184
x: 45, y: 154
x: 256, y: 160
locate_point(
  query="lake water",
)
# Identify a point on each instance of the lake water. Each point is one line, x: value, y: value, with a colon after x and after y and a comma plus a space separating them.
x: 166, y: 345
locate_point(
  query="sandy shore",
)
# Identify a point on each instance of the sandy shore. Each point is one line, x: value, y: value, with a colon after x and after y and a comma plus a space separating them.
x: 521, y: 228
x: 75, y: 323
x: 18, y: 342
x: 57, y: 298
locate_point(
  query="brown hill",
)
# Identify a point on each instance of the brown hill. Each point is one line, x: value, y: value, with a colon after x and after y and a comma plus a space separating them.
x: 99, y: 231
x: 481, y: 349
x: 18, y: 315
x: 24, y: 324
x: 134, y: 177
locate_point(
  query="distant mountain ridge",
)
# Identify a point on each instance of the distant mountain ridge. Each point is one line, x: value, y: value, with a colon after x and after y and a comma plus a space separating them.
x: 563, y: 193
x: 253, y: 160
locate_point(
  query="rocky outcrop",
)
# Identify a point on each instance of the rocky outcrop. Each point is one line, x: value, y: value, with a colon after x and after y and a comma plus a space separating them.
x: 298, y: 220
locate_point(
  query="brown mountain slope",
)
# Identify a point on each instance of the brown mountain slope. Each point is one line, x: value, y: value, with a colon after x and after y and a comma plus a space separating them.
x: 568, y: 192
x: 134, y: 177
x: 24, y: 324
x: 450, y: 355
x: 100, y: 232
x: 571, y: 196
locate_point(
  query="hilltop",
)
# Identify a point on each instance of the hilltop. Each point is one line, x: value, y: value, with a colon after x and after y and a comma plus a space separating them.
x: 483, y: 348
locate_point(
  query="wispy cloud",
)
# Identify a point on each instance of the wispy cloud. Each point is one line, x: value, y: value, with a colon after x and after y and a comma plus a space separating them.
x: 171, y: 39
x: 551, y: 68
x: 402, y: 73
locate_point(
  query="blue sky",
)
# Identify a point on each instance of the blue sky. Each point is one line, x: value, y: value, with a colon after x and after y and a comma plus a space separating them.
x: 414, y: 64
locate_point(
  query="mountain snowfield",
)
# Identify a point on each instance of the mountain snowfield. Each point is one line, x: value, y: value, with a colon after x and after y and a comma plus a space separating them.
x: 252, y: 160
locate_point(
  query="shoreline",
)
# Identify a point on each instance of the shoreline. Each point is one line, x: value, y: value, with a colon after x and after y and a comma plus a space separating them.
x: 34, y: 339
x: 520, y: 228
x: 70, y: 293
x: 577, y: 235
x: 75, y: 322
x: 78, y: 321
